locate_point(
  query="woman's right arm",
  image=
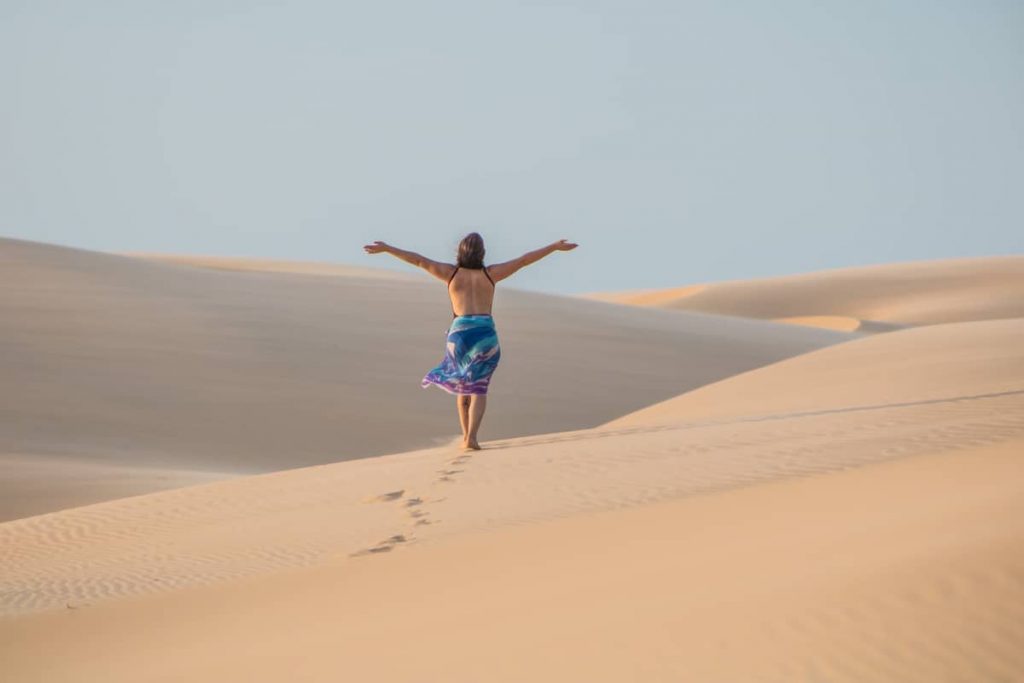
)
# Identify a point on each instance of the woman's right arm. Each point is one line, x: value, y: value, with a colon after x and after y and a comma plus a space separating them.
x: 442, y: 271
x: 500, y: 271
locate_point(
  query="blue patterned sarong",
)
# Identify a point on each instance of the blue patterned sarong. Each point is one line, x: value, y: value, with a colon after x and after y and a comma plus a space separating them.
x: 471, y: 355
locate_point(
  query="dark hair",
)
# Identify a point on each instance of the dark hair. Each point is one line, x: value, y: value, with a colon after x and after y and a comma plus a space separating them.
x: 471, y: 251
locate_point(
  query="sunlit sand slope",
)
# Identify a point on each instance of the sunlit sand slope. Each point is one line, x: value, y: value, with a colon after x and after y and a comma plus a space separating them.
x: 116, y: 361
x: 903, y: 571
x: 871, y: 299
x: 958, y: 361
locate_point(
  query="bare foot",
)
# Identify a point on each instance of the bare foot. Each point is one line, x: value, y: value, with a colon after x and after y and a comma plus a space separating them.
x: 471, y: 445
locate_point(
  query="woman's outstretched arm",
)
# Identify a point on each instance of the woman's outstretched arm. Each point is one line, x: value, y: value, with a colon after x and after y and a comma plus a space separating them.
x: 500, y: 271
x: 442, y: 271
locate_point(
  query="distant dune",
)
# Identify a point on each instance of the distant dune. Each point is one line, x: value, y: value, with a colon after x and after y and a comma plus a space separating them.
x: 868, y: 299
x: 263, y: 265
x: 126, y: 375
x: 852, y: 514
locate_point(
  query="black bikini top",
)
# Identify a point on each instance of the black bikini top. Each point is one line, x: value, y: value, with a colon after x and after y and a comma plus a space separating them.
x: 488, y: 275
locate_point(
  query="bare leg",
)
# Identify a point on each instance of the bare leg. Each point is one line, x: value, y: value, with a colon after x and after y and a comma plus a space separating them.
x: 477, y: 405
x: 462, y: 403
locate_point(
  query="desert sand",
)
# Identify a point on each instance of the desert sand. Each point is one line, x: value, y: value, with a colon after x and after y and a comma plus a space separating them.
x: 209, y: 367
x: 853, y: 511
x: 264, y: 265
x: 867, y: 298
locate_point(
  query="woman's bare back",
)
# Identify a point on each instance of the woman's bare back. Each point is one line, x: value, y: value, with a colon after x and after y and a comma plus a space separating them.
x: 471, y: 291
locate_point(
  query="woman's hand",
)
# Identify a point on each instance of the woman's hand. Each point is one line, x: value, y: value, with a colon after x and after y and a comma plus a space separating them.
x: 564, y: 245
x: 377, y: 247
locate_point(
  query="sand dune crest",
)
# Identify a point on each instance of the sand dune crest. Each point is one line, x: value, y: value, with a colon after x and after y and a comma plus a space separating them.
x: 901, y: 294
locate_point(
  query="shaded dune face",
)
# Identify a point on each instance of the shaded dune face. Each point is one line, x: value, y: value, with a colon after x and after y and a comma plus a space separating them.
x: 120, y: 361
x: 866, y: 299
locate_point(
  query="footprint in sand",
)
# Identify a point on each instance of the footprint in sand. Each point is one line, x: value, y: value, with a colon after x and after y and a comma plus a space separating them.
x: 384, y: 546
x: 385, y: 497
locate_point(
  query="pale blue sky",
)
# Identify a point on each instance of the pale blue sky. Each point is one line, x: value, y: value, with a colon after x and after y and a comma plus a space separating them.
x: 677, y: 141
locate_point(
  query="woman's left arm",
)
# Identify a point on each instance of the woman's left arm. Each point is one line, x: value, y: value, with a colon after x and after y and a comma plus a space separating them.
x: 442, y: 271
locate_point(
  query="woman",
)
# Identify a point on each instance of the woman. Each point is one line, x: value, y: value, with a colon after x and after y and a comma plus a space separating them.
x: 472, y: 350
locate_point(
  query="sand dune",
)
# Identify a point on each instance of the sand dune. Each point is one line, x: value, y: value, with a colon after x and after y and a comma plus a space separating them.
x: 34, y: 484
x: 903, y: 571
x: 829, y: 322
x: 661, y: 547
x: 227, y: 368
x: 793, y: 512
x: 958, y: 361
x: 264, y: 265
x: 868, y: 299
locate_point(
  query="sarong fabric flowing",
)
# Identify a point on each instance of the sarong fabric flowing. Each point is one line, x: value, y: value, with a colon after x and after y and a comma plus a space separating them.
x: 471, y: 355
